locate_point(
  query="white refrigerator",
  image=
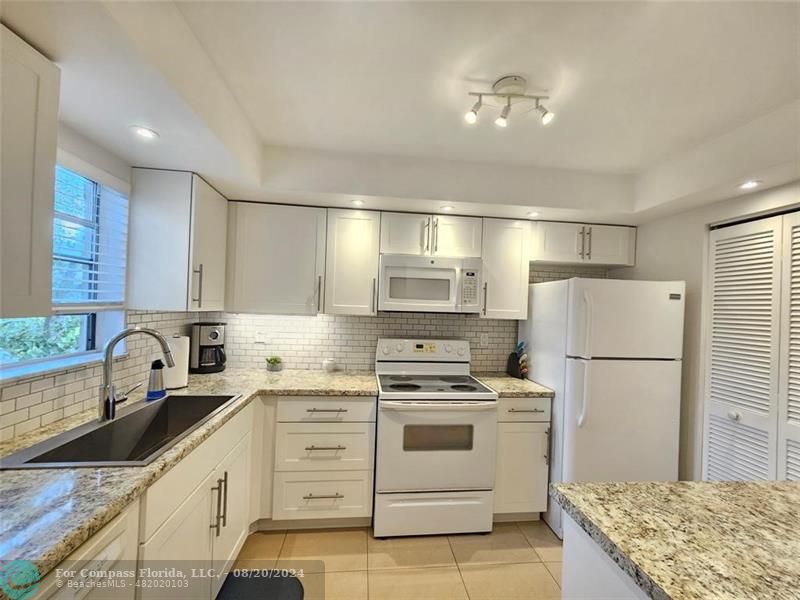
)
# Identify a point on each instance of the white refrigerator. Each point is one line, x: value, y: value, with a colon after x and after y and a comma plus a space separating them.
x: 611, y: 350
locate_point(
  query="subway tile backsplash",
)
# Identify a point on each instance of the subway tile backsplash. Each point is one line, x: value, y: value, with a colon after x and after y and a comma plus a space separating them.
x: 30, y: 402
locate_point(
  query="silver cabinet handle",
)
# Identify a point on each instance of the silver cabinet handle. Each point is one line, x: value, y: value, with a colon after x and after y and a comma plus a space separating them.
x: 326, y: 410
x: 373, y: 306
x: 436, y: 234
x: 199, y: 299
x: 336, y: 496
x: 547, y: 447
x: 319, y: 293
x: 583, y: 242
x: 427, y: 230
x: 218, y: 518
x: 589, y: 250
x: 313, y: 448
x: 225, y: 500
x: 526, y: 410
x: 485, y: 297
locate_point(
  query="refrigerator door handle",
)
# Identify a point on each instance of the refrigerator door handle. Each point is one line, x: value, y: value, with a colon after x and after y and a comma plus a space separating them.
x: 585, y: 398
x: 587, y: 299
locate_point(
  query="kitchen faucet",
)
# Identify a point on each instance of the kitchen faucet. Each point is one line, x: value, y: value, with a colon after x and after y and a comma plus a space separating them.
x: 107, y: 406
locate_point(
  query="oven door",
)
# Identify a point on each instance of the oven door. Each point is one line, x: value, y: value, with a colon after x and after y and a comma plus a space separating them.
x: 419, y: 283
x: 430, y: 445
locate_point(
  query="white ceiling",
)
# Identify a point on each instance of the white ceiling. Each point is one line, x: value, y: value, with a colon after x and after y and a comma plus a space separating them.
x: 631, y: 83
x: 319, y: 102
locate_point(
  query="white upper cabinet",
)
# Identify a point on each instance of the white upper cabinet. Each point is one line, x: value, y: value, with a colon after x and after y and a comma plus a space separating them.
x: 276, y: 259
x: 505, y: 268
x: 578, y: 243
x: 458, y: 237
x: 29, y: 108
x: 431, y: 235
x: 351, y: 266
x: 405, y: 233
x: 176, y: 256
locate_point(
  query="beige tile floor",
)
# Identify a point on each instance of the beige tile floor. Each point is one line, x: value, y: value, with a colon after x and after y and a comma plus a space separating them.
x: 517, y: 561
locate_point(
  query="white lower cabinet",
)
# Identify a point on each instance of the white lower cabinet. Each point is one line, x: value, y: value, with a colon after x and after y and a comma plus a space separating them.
x: 324, y: 456
x: 523, y: 441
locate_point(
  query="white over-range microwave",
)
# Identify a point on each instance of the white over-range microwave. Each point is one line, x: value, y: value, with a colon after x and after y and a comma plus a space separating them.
x: 429, y: 284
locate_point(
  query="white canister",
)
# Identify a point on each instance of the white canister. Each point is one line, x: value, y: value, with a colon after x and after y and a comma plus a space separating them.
x: 330, y: 365
x: 178, y: 376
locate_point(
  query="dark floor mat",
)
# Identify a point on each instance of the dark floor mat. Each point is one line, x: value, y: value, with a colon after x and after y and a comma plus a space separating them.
x: 276, y: 587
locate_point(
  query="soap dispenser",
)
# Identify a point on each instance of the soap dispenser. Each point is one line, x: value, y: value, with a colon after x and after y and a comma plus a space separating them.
x: 155, y: 387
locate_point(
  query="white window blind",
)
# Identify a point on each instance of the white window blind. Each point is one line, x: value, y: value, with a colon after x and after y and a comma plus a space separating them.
x: 90, y: 234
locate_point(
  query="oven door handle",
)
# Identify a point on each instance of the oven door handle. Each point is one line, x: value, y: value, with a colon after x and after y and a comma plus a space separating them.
x: 436, y: 406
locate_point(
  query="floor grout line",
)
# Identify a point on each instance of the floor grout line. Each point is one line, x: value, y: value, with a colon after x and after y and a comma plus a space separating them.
x: 458, y: 566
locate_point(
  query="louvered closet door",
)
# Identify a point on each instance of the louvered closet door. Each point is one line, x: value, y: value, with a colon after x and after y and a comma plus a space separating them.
x: 789, y: 372
x: 742, y: 366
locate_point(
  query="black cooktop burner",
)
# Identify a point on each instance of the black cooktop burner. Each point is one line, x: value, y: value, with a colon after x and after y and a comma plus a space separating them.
x: 455, y: 378
x: 405, y: 387
x: 463, y: 388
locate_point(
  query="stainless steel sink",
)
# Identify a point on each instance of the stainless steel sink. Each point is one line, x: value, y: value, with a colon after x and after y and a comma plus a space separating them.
x: 135, y: 438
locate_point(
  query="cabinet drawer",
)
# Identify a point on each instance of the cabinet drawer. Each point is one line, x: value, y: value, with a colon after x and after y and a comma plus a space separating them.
x: 324, y: 446
x: 322, y: 494
x: 523, y: 409
x: 326, y: 409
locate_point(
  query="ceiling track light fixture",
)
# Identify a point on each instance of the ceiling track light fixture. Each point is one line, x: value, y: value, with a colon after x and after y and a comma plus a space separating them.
x: 510, y: 88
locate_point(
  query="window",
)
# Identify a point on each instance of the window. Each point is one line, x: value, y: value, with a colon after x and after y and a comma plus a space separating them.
x: 90, y: 230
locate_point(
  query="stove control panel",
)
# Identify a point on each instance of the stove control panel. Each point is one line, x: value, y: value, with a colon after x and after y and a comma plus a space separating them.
x: 422, y: 350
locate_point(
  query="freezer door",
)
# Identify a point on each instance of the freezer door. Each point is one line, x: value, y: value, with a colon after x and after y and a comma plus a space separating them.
x: 615, y: 318
x: 621, y: 420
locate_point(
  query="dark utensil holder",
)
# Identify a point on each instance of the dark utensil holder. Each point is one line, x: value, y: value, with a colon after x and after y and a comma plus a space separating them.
x: 512, y: 366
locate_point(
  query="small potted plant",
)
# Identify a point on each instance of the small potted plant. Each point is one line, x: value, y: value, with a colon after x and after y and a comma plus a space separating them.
x: 274, y: 363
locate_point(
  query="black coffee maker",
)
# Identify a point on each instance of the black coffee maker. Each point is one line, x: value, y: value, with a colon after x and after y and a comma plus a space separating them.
x: 207, y: 350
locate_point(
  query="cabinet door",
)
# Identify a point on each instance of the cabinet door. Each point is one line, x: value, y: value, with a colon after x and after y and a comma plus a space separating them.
x: 457, y: 237
x: 558, y: 242
x: 405, y: 233
x: 276, y: 259
x: 209, y: 232
x: 522, y: 467
x: 743, y: 346
x: 185, y: 536
x: 789, y: 369
x: 29, y: 115
x: 351, y: 286
x: 233, y: 474
x: 505, y: 269
x: 610, y: 245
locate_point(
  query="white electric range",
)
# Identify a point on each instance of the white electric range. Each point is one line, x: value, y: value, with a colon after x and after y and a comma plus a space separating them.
x: 436, y: 440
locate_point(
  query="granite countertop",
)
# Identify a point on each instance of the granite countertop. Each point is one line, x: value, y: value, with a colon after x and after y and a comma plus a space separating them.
x: 511, y: 387
x: 696, y: 540
x: 45, y: 514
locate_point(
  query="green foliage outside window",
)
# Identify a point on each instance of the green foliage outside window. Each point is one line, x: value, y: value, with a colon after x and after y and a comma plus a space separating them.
x: 41, y: 337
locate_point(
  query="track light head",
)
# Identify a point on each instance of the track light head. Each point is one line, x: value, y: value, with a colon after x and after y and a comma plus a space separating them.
x: 472, y: 116
x: 547, y: 116
x: 502, y: 120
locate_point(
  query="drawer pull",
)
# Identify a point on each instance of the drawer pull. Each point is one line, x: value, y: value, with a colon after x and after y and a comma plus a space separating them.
x: 312, y: 448
x: 526, y: 410
x: 336, y: 496
x: 326, y: 410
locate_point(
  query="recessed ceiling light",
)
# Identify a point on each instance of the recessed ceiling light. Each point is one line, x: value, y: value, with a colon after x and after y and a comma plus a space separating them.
x: 357, y: 202
x: 749, y: 185
x: 144, y: 132
x: 533, y: 214
x: 447, y: 208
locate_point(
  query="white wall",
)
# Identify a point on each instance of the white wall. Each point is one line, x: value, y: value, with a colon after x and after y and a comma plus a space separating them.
x: 675, y: 247
x: 104, y: 164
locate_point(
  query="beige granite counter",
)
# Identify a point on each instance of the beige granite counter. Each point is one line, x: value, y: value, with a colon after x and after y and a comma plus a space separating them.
x: 696, y: 540
x: 511, y: 387
x: 45, y: 514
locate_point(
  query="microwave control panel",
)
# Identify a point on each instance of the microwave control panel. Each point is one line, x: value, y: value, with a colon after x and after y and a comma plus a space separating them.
x: 469, y: 287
